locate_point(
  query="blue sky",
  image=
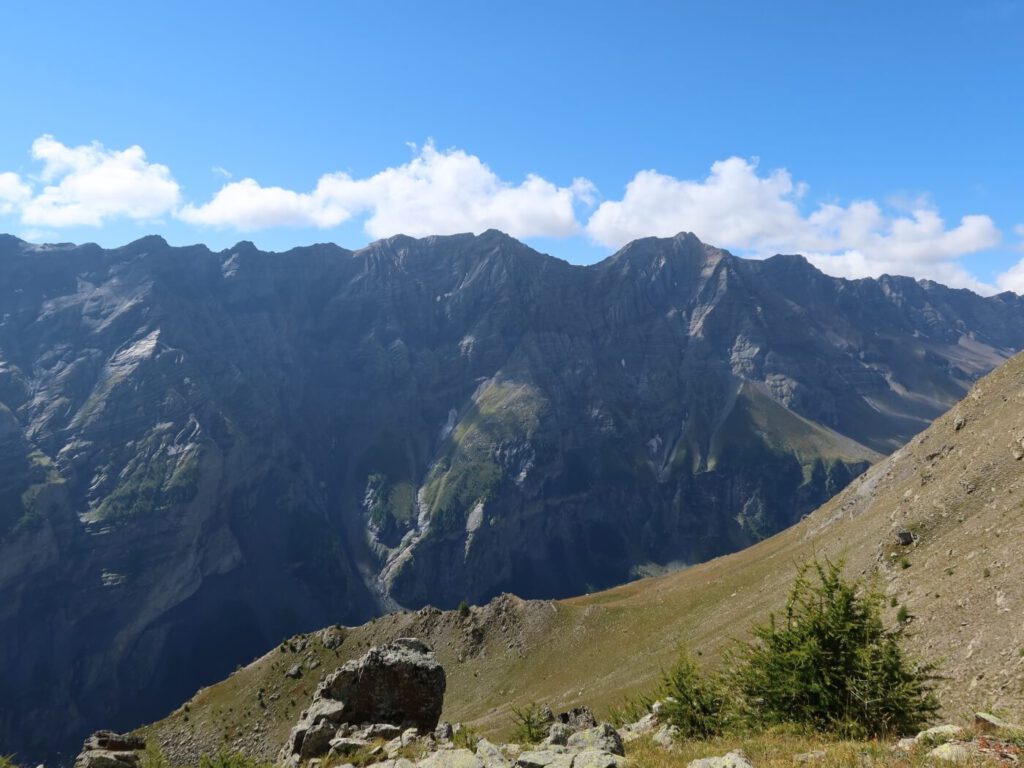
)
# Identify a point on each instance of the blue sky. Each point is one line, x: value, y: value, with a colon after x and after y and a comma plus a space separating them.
x: 873, y: 136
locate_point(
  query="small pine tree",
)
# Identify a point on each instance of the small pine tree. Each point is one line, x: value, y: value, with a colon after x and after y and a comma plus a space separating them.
x: 463, y: 609
x: 831, y: 664
x: 693, y: 703
x: 531, y: 724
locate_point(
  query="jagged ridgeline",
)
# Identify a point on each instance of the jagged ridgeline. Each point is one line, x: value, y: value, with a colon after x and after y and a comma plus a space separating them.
x: 204, y: 452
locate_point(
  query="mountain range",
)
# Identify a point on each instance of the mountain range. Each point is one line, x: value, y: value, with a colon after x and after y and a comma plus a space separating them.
x: 201, y: 453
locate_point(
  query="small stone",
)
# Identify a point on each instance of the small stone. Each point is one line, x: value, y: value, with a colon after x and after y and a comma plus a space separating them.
x: 906, y: 745
x: 294, y: 671
x: 815, y: 756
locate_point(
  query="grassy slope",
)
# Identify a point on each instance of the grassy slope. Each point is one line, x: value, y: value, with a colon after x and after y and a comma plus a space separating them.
x: 960, y: 490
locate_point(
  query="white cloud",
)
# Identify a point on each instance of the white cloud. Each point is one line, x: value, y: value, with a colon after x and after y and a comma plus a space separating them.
x: 89, y: 184
x: 437, y: 192
x: 1013, y: 278
x: 13, y: 192
x: 756, y: 215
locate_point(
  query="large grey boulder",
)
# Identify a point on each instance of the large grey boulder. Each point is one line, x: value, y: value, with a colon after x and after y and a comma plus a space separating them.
x: 400, y: 683
x: 392, y: 687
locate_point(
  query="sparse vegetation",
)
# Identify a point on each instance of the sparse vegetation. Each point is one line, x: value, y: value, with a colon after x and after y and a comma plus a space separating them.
x: 225, y: 758
x: 7, y: 761
x: 903, y: 615
x: 465, y: 738
x: 464, y: 609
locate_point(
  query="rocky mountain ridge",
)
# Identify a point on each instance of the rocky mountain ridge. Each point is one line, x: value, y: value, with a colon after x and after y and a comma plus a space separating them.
x: 204, y: 452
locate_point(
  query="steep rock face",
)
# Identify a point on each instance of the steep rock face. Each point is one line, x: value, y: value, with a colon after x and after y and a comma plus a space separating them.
x: 203, y: 452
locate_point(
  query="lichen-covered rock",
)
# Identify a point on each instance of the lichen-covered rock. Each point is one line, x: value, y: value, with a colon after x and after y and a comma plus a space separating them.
x: 558, y: 735
x: 544, y: 758
x: 940, y: 734
x: 645, y: 725
x: 451, y: 758
x: 729, y: 760
x: 596, y: 758
x: 603, y: 738
x: 955, y: 753
x: 490, y: 755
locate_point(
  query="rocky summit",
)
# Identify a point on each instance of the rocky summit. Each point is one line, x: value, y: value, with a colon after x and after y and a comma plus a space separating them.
x: 202, y: 453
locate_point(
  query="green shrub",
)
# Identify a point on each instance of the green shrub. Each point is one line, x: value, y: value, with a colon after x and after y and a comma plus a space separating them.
x: 693, y: 703
x: 531, y: 724
x: 463, y: 609
x: 830, y: 663
x: 902, y: 615
x: 7, y: 761
x: 153, y: 757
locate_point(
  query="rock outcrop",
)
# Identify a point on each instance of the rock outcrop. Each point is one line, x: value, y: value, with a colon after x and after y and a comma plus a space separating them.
x: 106, y: 749
x: 392, y: 688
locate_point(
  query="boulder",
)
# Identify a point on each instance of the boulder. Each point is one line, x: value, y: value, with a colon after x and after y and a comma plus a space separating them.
x: 544, y: 758
x: 316, y: 740
x: 401, y: 683
x: 558, y: 735
x: 986, y: 722
x: 451, y: 758
x: 343, y: 746
x: 577, y: 718
x: 729, y: 760
x: 490, y: 755
x: 595, y: 758
x: 392, y: 687
x: 378, y: 731
x: 603, y: 738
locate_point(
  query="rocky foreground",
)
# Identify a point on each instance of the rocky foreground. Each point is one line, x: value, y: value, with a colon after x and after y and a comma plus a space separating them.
x: 383, y: 711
